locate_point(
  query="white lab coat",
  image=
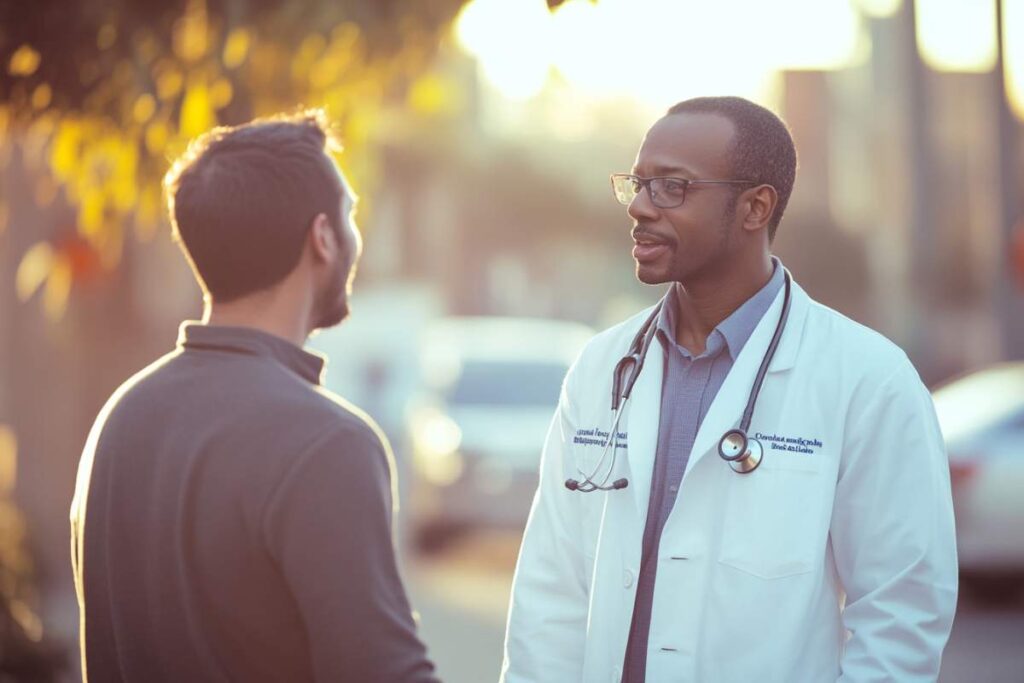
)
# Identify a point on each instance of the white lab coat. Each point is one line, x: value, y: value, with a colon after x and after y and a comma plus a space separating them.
x: 833, y: 564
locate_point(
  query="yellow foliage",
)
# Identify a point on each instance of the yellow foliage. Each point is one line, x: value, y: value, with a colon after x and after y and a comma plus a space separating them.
x: 58, y: 288
x: 346, y: 35
x: 8, y: 460
x: 221, y: 93
x: 108, y: 156
x: 106, y: 37
x: 65, y: 149
x: 168, y: 83
x: 36, y: 140
x: 357, y: 127
x: 91, y: 205
x: 309, y: 51
x: 196, y: 111
x: 144, y: 108
x: 191, y: 39
x: 24, y: 61
x: 236, y: 48
x: 343, y: 54
x: 148, y: 212
x: 42, y: 96
x: 146, y: 47
x: 431, y: 94
x: 33, y: 269
x: 43, y: 125
x: 157, y: 135
x: 122, y: 186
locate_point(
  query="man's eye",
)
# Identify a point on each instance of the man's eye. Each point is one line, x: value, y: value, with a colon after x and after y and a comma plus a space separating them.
x: 674, y: 187
x: 635, y: 186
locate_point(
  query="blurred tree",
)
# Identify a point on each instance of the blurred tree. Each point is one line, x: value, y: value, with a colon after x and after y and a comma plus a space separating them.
x: 99, y: 94
x: 95, y: 97
x: 24, y: 654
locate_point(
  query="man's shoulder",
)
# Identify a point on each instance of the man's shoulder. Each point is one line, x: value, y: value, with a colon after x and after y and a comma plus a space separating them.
x: 134, y: 390
x: 244, y: 391
x: 322, y: 412
x: 353, y: 419
x: 851, y: 345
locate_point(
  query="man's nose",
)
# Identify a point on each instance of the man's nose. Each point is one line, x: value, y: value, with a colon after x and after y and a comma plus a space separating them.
x: 642, y: 207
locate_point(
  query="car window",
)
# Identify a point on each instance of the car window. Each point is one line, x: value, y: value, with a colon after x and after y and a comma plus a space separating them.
x: 1015, y: 424
x: 977, y: 403
x: 523, y: 384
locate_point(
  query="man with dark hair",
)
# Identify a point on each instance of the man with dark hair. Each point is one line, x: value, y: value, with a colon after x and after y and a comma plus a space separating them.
x: 767, y: 498
x: 232, y: 519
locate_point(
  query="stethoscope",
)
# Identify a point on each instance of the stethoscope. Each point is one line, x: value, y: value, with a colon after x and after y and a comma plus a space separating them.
x: 742, y: 452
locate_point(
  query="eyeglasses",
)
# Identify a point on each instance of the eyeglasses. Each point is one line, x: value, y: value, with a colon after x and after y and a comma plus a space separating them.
x: 666, y: 192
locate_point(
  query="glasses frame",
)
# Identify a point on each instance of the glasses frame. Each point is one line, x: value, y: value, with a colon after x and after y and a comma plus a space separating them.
x: 645, y: 183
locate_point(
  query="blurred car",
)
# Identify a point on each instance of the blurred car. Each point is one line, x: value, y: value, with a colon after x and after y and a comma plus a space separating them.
x: 982, y: 419
x: 490, y: 387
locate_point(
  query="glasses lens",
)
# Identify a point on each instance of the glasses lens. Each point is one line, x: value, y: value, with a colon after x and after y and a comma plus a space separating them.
x: 625, y: 188
x: 668, y: 193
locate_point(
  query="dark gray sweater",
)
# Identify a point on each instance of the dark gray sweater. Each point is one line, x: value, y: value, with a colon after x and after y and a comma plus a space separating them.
x: 232, y: 522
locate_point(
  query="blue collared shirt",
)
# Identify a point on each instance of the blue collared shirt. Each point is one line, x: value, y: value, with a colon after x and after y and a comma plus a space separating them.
x: 690, y: 384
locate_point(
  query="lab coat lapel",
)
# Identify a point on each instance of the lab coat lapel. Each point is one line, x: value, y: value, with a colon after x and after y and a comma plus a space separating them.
x: 727, y: 408
x: 644, y: 417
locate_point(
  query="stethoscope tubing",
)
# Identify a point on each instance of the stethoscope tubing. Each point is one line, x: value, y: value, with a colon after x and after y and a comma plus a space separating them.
x: 610, y: 444
x: 633, y: 361
x: 748, y: 412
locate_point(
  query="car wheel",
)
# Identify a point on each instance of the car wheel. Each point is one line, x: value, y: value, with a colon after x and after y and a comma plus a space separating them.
x: 994, y: 590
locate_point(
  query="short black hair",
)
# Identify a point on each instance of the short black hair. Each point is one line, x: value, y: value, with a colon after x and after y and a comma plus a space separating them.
x: 762, y: 150
x: 242, y: 200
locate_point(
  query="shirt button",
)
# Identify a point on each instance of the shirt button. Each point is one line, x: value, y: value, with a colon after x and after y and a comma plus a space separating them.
x: 627, y: 578
x: 673, y: 488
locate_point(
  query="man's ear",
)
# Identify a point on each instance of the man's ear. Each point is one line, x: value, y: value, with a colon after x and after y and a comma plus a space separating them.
x: 322, y: 239
x: 760, y: 203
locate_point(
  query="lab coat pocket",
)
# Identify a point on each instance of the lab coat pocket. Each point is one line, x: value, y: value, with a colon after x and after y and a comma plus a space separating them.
x: 770, y: 522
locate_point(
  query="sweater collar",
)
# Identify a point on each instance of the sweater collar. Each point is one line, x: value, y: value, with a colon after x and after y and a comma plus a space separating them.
x: 196, y: 335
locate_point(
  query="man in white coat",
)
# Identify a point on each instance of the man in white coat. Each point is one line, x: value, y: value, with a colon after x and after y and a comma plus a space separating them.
x: 663, y: 548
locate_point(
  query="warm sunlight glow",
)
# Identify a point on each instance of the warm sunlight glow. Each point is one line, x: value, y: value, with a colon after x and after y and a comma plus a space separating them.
x: 511, y: 41
x: 957, y: 36
x: 658, y: 51
x: 8, y: 460
x: 1013, y: 53
x: 879, y: 8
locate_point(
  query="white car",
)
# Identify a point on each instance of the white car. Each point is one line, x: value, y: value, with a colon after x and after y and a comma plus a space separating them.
x: 490, y: 387
x: 982, y: 419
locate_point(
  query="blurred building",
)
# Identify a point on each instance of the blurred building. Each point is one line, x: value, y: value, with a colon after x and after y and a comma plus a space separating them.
x: 896, y: 219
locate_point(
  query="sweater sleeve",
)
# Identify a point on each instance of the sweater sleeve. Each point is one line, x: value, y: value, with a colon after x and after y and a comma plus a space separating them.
x: 328, y: 526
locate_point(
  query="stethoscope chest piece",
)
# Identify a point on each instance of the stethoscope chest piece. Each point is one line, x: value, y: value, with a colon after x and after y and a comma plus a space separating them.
x: 742, y: 453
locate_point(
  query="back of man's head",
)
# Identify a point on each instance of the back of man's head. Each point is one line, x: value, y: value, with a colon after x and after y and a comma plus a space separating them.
x: 242, y: 200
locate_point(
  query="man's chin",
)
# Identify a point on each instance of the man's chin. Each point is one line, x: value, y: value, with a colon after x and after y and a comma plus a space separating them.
x: 650, y: 275
x: 332, y: 317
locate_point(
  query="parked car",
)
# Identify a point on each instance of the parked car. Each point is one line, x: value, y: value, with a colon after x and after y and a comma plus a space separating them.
x: 982, y: 419
x: 477, y: 428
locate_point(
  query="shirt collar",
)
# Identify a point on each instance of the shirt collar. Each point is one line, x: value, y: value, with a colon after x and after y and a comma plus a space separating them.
x: 736, y: 329
x: 196, y: 335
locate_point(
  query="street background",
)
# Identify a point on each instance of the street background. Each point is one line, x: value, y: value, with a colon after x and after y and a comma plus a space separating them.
x: 480, y: 136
